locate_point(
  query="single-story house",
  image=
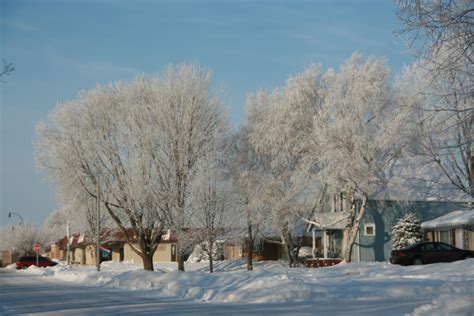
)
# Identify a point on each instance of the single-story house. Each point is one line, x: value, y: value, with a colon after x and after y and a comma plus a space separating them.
x: 113, y: 247
x: 455, y: 228
x: 267, y: 246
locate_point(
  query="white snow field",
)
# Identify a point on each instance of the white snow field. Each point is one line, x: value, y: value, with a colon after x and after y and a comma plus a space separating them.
x: 355, y: 288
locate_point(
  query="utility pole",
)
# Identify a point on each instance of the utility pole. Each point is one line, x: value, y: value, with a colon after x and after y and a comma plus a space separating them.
x: 98, y: 226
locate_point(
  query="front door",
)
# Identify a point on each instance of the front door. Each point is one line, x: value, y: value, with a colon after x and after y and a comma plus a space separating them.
x: 173, y: 252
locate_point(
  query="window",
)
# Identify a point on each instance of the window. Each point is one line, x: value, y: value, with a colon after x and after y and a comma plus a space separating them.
x: 369, y: 229
x: 444, y: 236
x: 445, y: 247
x: 428, y: 247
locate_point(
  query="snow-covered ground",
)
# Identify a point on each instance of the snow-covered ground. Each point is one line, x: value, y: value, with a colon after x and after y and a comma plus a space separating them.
x: 436, y: 289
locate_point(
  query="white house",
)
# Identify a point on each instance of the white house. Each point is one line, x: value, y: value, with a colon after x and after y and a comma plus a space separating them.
x: 455, y: 228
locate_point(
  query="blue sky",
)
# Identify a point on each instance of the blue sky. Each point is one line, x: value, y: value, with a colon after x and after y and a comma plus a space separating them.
x: 62, y: 47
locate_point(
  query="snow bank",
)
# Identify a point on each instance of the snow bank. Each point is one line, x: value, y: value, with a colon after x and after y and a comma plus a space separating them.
x: 447, y: 304
x: 443, y: 288
x: 11, y: 266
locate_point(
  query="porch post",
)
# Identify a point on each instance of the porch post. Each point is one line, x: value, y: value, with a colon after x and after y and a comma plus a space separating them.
x: 325, y: 243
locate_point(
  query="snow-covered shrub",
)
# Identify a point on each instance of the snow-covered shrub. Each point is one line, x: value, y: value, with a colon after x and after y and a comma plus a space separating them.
x: 200, y: 253
x: 406, y: 232
x: 305, y: 252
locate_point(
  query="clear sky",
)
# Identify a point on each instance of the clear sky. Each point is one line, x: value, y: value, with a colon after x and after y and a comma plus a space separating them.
x: 61, y: 47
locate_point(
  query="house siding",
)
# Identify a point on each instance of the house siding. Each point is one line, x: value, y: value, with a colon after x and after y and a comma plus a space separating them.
x: 162, y: 253
x: 79, y: 256
x: 469, y: 238
x: 233, y: 251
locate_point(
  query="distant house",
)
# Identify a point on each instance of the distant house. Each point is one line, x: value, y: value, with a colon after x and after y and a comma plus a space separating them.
x: 8, y: 257
x: 455, y: 228
x: 115, y: 240
x: 83, y: 247
x: 268, y: 245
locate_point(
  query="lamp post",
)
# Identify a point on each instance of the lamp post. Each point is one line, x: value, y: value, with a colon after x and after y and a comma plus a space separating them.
x: 98, y: 226
x: 21, y: 218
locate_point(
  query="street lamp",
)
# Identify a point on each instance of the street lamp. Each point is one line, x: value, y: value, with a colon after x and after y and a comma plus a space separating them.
x: 10, y: 215
x: 98, y: 225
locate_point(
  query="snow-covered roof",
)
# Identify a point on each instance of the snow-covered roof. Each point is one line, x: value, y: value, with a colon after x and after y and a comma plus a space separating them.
x: 329, y: 220
x: 453, y: 219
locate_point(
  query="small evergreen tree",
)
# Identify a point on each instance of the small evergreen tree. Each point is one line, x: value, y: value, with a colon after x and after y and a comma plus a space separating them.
x: 406, y: 232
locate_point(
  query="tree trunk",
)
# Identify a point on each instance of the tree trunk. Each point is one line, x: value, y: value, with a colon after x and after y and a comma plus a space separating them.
x: 211, y: 266
x: 179, y: 256
x: 147, y: 262
x: 471, y: 176
x: 350, y: 231
x: 292, y: 253
x: 146, y: 254
x: 346, y: 246
x: 355, y: 227
x: 290, y: 247
x: 250, y: 249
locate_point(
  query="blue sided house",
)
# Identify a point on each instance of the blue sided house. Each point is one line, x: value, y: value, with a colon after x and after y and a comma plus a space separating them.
x: 374, y: 234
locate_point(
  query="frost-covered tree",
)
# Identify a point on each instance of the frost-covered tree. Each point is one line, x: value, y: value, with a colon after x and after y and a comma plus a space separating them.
x: 440, y: 32
x: 191, y: 126
x: 247, y: 177
x: 54, y: 226
x: 406, y: 232
x: 210, y: 207
x: 135, y: 147
x: 440, y: 125
x: 280, y: 124
x: 94, y: 146
x: 81, y: 217
x: 356, y: 136
x: 20, y: 238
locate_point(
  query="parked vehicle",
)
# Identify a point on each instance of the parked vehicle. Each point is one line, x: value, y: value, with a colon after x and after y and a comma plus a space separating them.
x: 429, y: 252
x: 26, y: 261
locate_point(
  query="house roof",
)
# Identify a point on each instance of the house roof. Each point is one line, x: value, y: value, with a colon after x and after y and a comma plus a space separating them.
x: 107, y: 235
x: 453, y: 219
x: 329, y: 220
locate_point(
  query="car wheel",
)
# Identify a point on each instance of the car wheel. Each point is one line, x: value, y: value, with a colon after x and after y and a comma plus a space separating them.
x: 417, y: 261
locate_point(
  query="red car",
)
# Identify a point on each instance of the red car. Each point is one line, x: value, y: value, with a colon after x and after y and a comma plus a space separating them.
x: 27, y: 261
